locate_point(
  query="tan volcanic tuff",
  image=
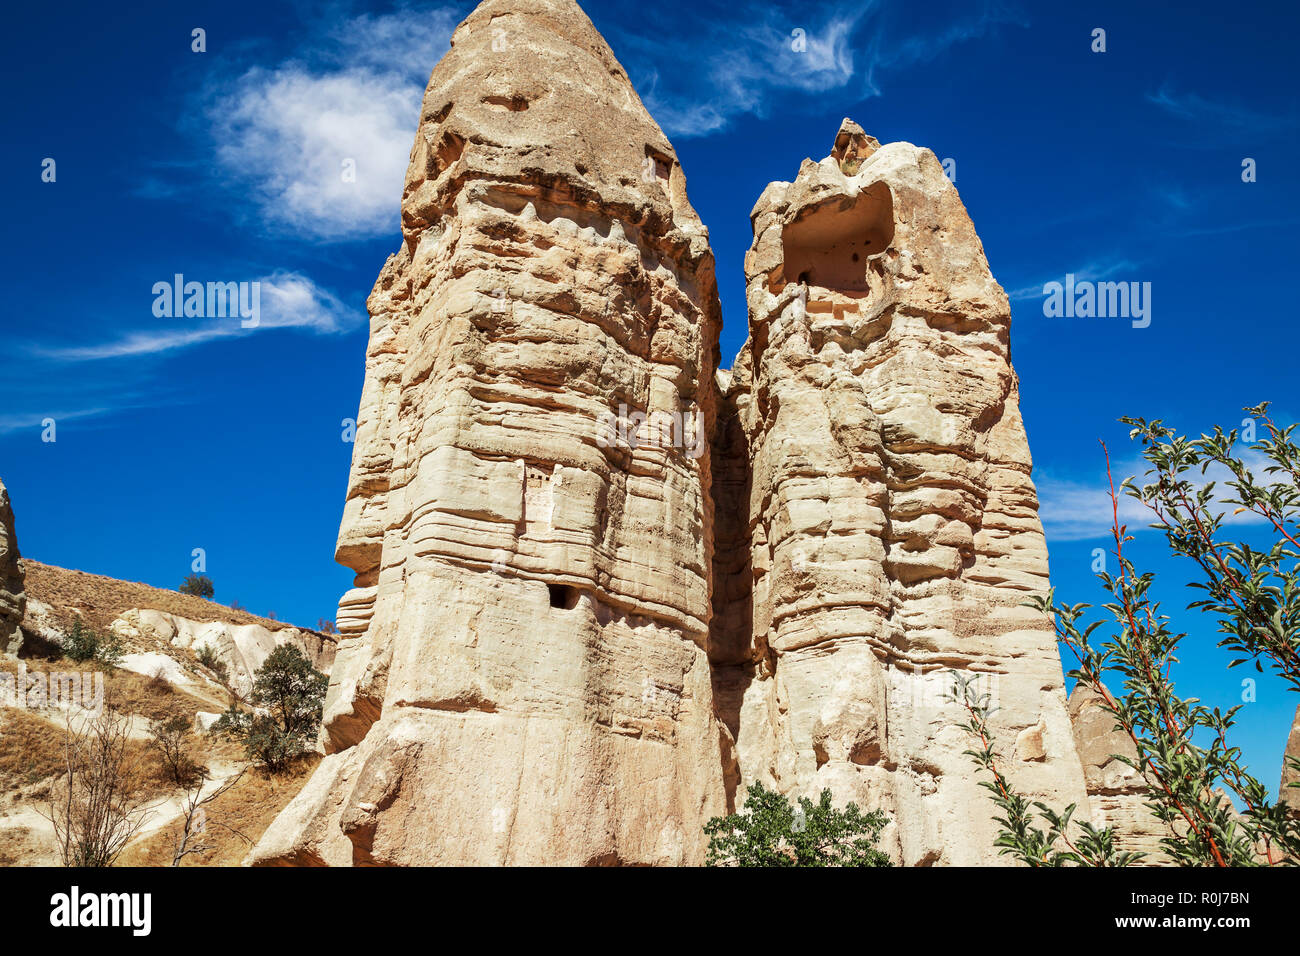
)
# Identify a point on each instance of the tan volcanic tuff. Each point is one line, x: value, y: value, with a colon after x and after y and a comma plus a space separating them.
x: 522, y: 677
x: 890, y: 517
x: 551, y: 654
x: 1117, y: 793
x: 12, y: 600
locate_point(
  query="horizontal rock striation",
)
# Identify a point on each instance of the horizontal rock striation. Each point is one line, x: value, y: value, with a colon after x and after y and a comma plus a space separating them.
x: 600, y: 583
x: 891, y: 519
x: 522, y: 676
x: 1117, y: 792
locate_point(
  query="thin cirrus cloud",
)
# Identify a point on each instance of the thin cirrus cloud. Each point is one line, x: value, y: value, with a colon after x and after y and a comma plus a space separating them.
x: 32, y: 420
x: 1073, y: 510
x: 283, y: 132
x: 1219, y: 113
x: 287, y: 300
x: 717, y: 69
x: 723, y: 60
x: 76, y: 401
x: 1096, y: 271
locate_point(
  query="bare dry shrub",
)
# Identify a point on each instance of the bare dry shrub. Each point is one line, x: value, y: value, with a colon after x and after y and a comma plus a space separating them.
x: 94, y: 807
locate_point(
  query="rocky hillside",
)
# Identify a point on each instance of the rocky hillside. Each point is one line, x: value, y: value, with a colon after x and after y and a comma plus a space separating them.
x: 157, y: 621
x: 181, y: 657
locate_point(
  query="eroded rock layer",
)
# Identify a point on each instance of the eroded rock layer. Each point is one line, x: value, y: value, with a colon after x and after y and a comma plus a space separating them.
x: 891, y: 520
x: 12, y: 599
x: 523, y: 675
x: 1117, y: 793
x: 241, y: 648
x: 601, y: 585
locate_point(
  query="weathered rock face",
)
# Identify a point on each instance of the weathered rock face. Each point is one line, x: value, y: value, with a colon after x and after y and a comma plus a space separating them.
x: 889, y: 514
x: 523, y: 674
x: 12, y: 600
x: 243, y: 648
x: 1116, y: 791
x: 1290, y: 775
x: 600, y: 584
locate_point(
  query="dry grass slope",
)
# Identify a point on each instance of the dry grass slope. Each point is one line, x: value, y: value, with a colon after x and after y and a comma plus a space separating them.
x: 101, y: 599
x: 248, y: 807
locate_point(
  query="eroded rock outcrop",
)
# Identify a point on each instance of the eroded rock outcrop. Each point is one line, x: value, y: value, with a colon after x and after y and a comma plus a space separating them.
x: 12, y: 600
x: 523, y: 674
x: 578, y: 627
x: 890, y: 517
x: 242, y: 648
x: 1117, y: 794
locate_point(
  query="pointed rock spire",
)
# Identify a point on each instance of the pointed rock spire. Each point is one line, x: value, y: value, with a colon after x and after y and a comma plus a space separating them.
x: 523, y: 677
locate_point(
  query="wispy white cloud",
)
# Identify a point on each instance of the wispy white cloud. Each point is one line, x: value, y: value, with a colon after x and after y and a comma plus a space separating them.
x: 1221, y: 113
x: 1075, y: 510
x: 35, y: 420
x: 283, y: 132
x: 1229, y: 227
x: 321, y: 140
x: 287, y: 300
x: 37, y: 414
x: 1097, y: 270
x: 725, y: 60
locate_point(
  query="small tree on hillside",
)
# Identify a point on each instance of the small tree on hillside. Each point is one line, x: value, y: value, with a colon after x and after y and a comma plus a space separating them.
x: 192, y: 835
x: 200, y: 585
x: 769, y: 831
x: 207, y: 656
x: 289, y: 697
x: 169, y: 738
x: 85, y: 644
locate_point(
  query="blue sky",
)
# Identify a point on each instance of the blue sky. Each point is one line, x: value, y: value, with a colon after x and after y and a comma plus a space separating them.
x: 176, y: 434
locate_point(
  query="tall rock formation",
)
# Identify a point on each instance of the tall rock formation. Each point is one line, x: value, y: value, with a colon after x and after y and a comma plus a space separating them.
x: 12, y: 600
x: 891, y: 521
x: 600, y: 584
x: 523, y: 677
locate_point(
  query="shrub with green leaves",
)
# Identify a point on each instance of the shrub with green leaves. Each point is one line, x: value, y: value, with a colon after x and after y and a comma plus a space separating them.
x: 85, y: 644
x: 1254, y: 595
x: 200, y: 585
x: 289, y: 697
x: 169, y: 738
x: 1019, y: 838
x: 207, y: 656
x: 770, y: 831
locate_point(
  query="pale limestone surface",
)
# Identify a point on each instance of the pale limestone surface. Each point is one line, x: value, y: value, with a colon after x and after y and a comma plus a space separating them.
x: 12, y: 600
x: 1290, y: 775
x: 880, y: 474
x: 243, y: 648
x: 566, y: 647
x: 1117, y: 793
x: 553, y: 276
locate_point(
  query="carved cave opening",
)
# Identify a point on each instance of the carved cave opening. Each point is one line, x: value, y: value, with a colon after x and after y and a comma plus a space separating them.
x: 829, y: 246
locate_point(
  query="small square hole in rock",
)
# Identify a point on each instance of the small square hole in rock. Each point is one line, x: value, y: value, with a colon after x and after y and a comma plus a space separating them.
x: 563, y: 596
